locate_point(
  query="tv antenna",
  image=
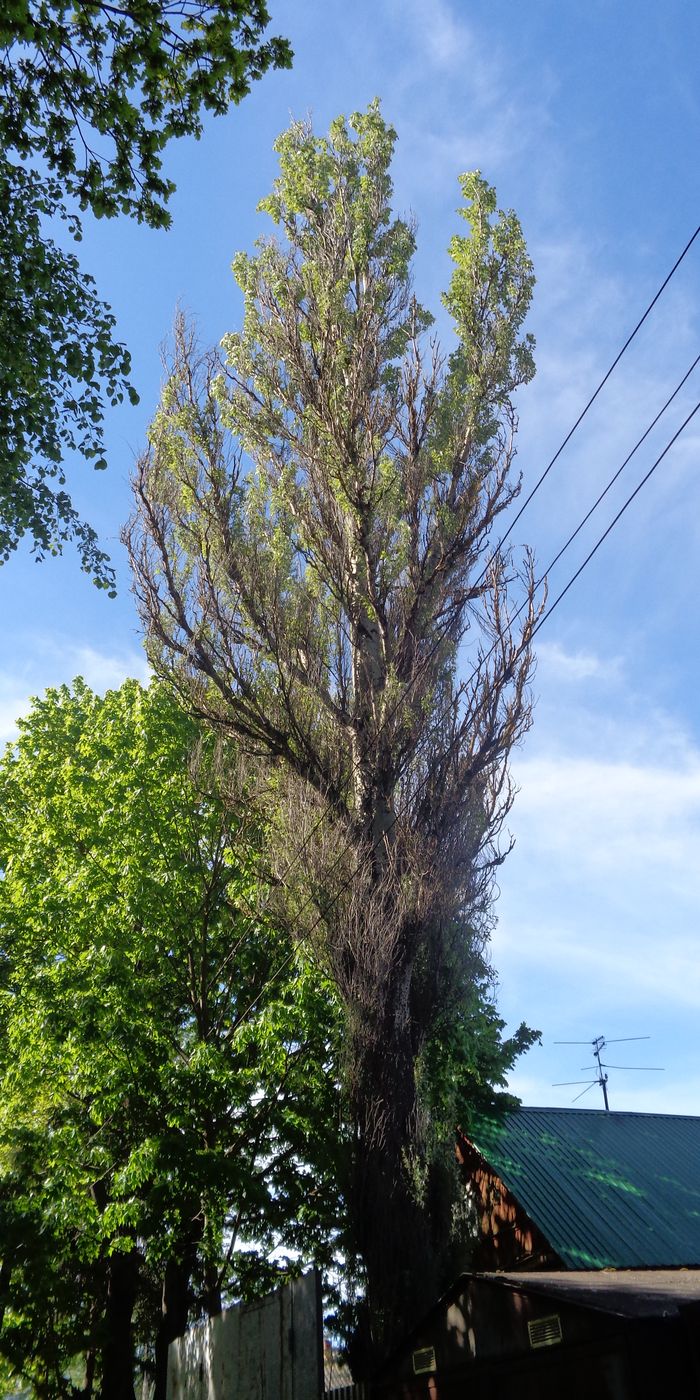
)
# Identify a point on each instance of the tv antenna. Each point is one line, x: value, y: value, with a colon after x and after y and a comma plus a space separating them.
x: 601, y: 1066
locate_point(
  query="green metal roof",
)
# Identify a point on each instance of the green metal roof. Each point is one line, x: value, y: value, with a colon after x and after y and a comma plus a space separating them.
x: 608, y: 1190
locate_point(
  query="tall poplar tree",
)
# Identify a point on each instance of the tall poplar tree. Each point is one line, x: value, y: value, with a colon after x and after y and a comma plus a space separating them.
x: 315, y: 566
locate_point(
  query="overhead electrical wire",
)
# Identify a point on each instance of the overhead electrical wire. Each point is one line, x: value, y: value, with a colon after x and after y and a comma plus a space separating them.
x: 548, y: 613
x: 619, y: 471
x: 540, y: 623
x: 531, y: 494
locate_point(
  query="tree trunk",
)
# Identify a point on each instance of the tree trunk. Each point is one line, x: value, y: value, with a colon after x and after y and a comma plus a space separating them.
x: 174, y: 1317
x: 90, y: 1365
x: 118, y: 1347
x: 212, y: 1291
x: 91, y: 1355
x: 391, y: 1225
x: 5, y: 1278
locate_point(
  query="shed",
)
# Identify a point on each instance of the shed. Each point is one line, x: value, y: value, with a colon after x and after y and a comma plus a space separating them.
x: 524, y: 1336
x: 564, y: 1188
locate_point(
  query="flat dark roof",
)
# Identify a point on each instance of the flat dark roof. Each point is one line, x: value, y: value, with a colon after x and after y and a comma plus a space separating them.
x: 629, y: 1292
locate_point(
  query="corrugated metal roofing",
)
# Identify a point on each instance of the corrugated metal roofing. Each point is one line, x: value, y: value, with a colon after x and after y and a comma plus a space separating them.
x: 608, y: 1190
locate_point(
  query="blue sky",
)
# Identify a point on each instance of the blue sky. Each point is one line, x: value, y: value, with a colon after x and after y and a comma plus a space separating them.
x: 586, y: 117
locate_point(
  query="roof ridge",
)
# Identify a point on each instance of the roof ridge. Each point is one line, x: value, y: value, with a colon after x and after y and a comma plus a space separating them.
x: 599, y: 1112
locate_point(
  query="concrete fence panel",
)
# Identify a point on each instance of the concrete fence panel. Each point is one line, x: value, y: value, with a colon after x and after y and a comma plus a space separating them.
x: 270, y: 1350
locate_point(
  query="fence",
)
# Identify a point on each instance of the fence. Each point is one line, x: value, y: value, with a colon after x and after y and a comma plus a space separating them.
x: 271, y: 1350
x: 359, y: 1391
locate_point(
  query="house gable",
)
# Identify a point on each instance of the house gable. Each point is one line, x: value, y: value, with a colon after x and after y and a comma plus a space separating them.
x: 586, y: 1188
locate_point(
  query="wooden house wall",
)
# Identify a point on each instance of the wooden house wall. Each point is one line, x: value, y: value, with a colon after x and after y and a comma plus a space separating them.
x: 506, y: 1237
x: 482, y: 1351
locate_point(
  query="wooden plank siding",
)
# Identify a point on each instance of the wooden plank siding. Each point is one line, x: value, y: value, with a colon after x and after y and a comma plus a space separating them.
x: 507, y: 1237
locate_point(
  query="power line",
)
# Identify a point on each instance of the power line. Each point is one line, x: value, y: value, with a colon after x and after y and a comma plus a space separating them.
x: 602, y: 384
x: 599, y: 499
x: 613, y: 523
x: 621, y: 468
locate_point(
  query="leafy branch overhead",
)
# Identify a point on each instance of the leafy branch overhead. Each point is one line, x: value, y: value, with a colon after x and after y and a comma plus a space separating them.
x: 90, y: 96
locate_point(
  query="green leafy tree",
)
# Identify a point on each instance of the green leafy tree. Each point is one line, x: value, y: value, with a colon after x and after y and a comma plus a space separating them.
x: 168, y: 1120
x: 90, y: 95
x: 312, y: 554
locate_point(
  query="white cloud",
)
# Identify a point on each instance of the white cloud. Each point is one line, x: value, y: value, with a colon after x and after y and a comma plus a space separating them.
x: 601, y: 957
x: 458, y: 102
x: 618, y: 814
x: 447, y: 42
x: 560, y: 665
x: 102, y: 671
x: 50, y: 662
x: 14, y: 702
x: 598, y: 917
x: 444, y: 41
x: 606, y: 857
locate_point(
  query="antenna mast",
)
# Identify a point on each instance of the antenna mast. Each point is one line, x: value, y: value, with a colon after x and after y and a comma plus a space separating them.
x: 598, y: 1044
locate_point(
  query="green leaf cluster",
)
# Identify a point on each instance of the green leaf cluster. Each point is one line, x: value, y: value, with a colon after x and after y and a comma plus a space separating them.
x: 168, y: 1060
x: 58, y: 356
x: 376, y: 465
x: 90, y: 96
